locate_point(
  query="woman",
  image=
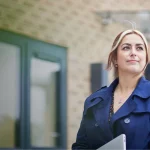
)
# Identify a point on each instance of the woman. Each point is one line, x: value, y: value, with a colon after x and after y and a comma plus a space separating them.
x: 124, y: 106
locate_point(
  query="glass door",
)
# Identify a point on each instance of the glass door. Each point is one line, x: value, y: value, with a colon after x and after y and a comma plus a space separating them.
x: 44, y: 101
x: 47, y: 97
x: 9, y: 94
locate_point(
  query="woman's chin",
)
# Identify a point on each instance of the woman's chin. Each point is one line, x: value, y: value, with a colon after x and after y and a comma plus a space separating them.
x: 134, y: 70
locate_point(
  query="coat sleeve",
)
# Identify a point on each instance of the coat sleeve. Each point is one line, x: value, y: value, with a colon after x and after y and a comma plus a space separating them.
x: 148, y: 147
x: 81, y: 139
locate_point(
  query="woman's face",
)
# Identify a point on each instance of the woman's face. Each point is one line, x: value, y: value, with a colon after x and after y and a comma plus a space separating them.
x: 131, y: 54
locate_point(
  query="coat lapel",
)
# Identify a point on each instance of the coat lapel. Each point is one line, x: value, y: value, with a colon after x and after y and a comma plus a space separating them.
x: 128, y: 107
x: 100, y: 102
x: 101, y: 114
x: 134, y: 104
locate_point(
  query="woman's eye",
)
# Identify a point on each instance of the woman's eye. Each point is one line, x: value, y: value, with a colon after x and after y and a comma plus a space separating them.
x: 140, y: 48
x: 126, y: 48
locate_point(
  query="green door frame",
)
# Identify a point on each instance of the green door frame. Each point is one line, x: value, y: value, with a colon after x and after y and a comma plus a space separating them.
x: 28, y: 48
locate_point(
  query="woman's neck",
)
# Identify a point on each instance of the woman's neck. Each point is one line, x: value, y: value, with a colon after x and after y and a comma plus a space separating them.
x: 127, y: 83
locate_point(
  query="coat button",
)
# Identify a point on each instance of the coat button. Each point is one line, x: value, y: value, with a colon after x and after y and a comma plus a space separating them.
x: 96, y: 125
x: 127, y: 120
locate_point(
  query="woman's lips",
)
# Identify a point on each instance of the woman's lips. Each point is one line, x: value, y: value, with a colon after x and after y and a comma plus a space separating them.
x: 132, y: 61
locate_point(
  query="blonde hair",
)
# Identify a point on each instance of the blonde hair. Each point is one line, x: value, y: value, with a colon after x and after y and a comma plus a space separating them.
x: 113, y: 54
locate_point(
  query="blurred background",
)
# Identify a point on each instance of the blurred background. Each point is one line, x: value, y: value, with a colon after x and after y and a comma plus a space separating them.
x: 53, y: 55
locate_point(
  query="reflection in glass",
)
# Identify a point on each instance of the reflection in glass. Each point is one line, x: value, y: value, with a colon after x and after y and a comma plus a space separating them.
x: 44, y: 78
x: 9, y: 93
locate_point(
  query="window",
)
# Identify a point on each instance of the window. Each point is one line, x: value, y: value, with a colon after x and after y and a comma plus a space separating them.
x: 33, y: 93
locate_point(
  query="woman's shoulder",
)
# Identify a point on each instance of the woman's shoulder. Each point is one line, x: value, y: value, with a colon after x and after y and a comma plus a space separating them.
x: 99, y: 93
x: 95, y: 98
x: 143, y: 88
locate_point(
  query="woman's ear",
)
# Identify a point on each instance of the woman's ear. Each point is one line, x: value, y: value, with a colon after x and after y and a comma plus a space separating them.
x: 116, y: 64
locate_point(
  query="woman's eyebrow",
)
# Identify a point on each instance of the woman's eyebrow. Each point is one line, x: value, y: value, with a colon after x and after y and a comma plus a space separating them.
x: 140, y: 44
x: 126, y: 44
x: 130, y: 44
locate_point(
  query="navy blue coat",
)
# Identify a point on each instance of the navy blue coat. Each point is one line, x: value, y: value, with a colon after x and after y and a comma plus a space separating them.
x: 132, y: 119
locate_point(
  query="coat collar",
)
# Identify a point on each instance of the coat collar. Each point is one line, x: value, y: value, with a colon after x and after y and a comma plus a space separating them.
x: 101, y: 95
x: 104, y: 92
x: 141, y: 90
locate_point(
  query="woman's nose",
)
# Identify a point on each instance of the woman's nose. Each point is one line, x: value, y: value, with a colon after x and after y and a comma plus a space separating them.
x: 133, y: 51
